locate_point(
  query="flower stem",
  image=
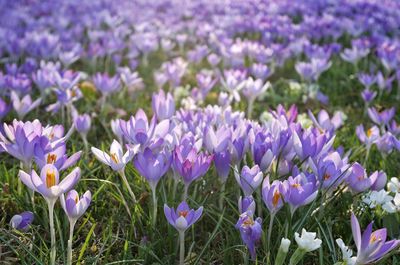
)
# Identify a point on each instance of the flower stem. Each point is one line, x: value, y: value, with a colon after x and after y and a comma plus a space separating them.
x: 222, y: 196
x: 50, y: 204
x: 85, y: 142
x: 71, y: 234
x: 297, y: 256
x: 123, y: 176
x: 250, y: 108
x: 271, y: 223
x: 181, y: 247
x: 154, y: 219
x: 185, y: 192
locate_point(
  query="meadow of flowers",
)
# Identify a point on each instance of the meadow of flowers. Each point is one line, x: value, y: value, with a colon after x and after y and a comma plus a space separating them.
x: 200, y: 132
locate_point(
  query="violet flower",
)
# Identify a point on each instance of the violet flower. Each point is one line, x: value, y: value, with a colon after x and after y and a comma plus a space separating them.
x: 358, y: 180
x: 190, y: 164
x: 153, y: 167
x: 163, y: 105
x: 368, y: 95
x: 249, y: 179
x: 250, y: 231
x: 182, y: 218
x: 383, y: 117
x: 106, y: 84
x: 82, y: 125
x: 371, y: 246
x: 23, y: 106
x: 246, y: 204
x: 74, y: 207
x: 22, y: 221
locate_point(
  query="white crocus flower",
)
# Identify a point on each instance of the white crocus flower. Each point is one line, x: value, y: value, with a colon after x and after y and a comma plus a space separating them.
x: 307, y: 241
x: 394, y: 185
x: 380, y: 198
x: 116, y: 159
x: 285, y: 244
x: 347, y: 253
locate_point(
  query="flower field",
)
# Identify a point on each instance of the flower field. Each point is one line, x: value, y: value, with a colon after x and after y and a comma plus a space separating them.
x: 200, y: 132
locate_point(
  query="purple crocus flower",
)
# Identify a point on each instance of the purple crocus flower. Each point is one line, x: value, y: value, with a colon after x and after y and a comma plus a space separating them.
x: 371, y: 246
x: 48, y: 183
x: 152, y: 165
x: 163, y: 105
x: 106, y: 84
x: 358, y: 180
x: 22, y: 221
x: 369, y: 137
x: 20, y: 138
x: 273, y: 195
x: 82, y: 123
x: 246, y: 204
x: 190, y: 164
x: 4, y: 108
x: 217, y: 141
x: 386, y: 143
x: 355, y: 54
x: 366, y: 79
x: 138, y: 130
x: 250, y: 231
x: 57, y: 156
x: 383, y: 117
x: 263, y: 150
x: 75, y: 206
x: 25, y: 105
x: 300, y: 190
x: 368, y: 95
x: 249, y: 179
x: 116, y: 159
x: 183, y: 217
x: 380, y: 180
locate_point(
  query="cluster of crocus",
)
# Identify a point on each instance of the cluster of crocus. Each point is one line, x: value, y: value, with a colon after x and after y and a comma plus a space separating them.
x: 46, y: 146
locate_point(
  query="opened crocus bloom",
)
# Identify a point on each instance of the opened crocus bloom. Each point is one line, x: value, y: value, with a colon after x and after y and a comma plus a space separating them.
x: 117, y: 160
x: 75, y: 206
x: 48, y: 183
x: 371, y: 246
x: 183, y: 217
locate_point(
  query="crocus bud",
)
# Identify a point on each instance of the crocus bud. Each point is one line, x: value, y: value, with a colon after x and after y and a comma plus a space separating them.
x: 282, y: 252
x: 82, y: 123
x: 22, y: 221
x: 307, y: 242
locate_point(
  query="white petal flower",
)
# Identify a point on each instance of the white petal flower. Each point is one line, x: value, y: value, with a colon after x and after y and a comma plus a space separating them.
x: 285, y: 244
x: 307, y: 241
x: 347, y: 253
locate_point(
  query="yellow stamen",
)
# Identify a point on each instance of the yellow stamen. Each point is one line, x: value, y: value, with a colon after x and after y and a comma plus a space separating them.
x: 248, y: 222
x: 327, y: 176
x: 50, y: 178
x: 296, y: 185
x: 114, y: 158
x: 369, y: 132
x: 76, y: 199
x: 373, y: 239
x: 275, y: 198
x: 51, y: 158
x: 361, y: 177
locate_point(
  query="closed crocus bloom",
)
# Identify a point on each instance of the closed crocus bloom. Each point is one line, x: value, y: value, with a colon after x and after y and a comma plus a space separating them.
x: 386, y: 143
x: 75, y: 206
x: 250, y: 231
x: 22, y: 221
x: 307, y: 241
x: 217, y: 141
x: 152, y: 165
x: 368, y: 137
x: 48, y: 183
x: 371, y: 246
x: 273, y: 195
x: 254, y: 88
x: 138, y: 130
x: 183, y: 217
x: 282, y: 252
x: 82, y: 123
x: 4, y: 109
x: 383, y: 117
x: 358, y: 179
x: 246, y: 204
x: 380, y: 180
x: 249, y: 179
x: 106, y: 84
x: 190, y: 164
x: 25, y: 105
x: 163, y: 105
x: 368, y: 95
x: 116, y: 159
x: 263, y: 150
